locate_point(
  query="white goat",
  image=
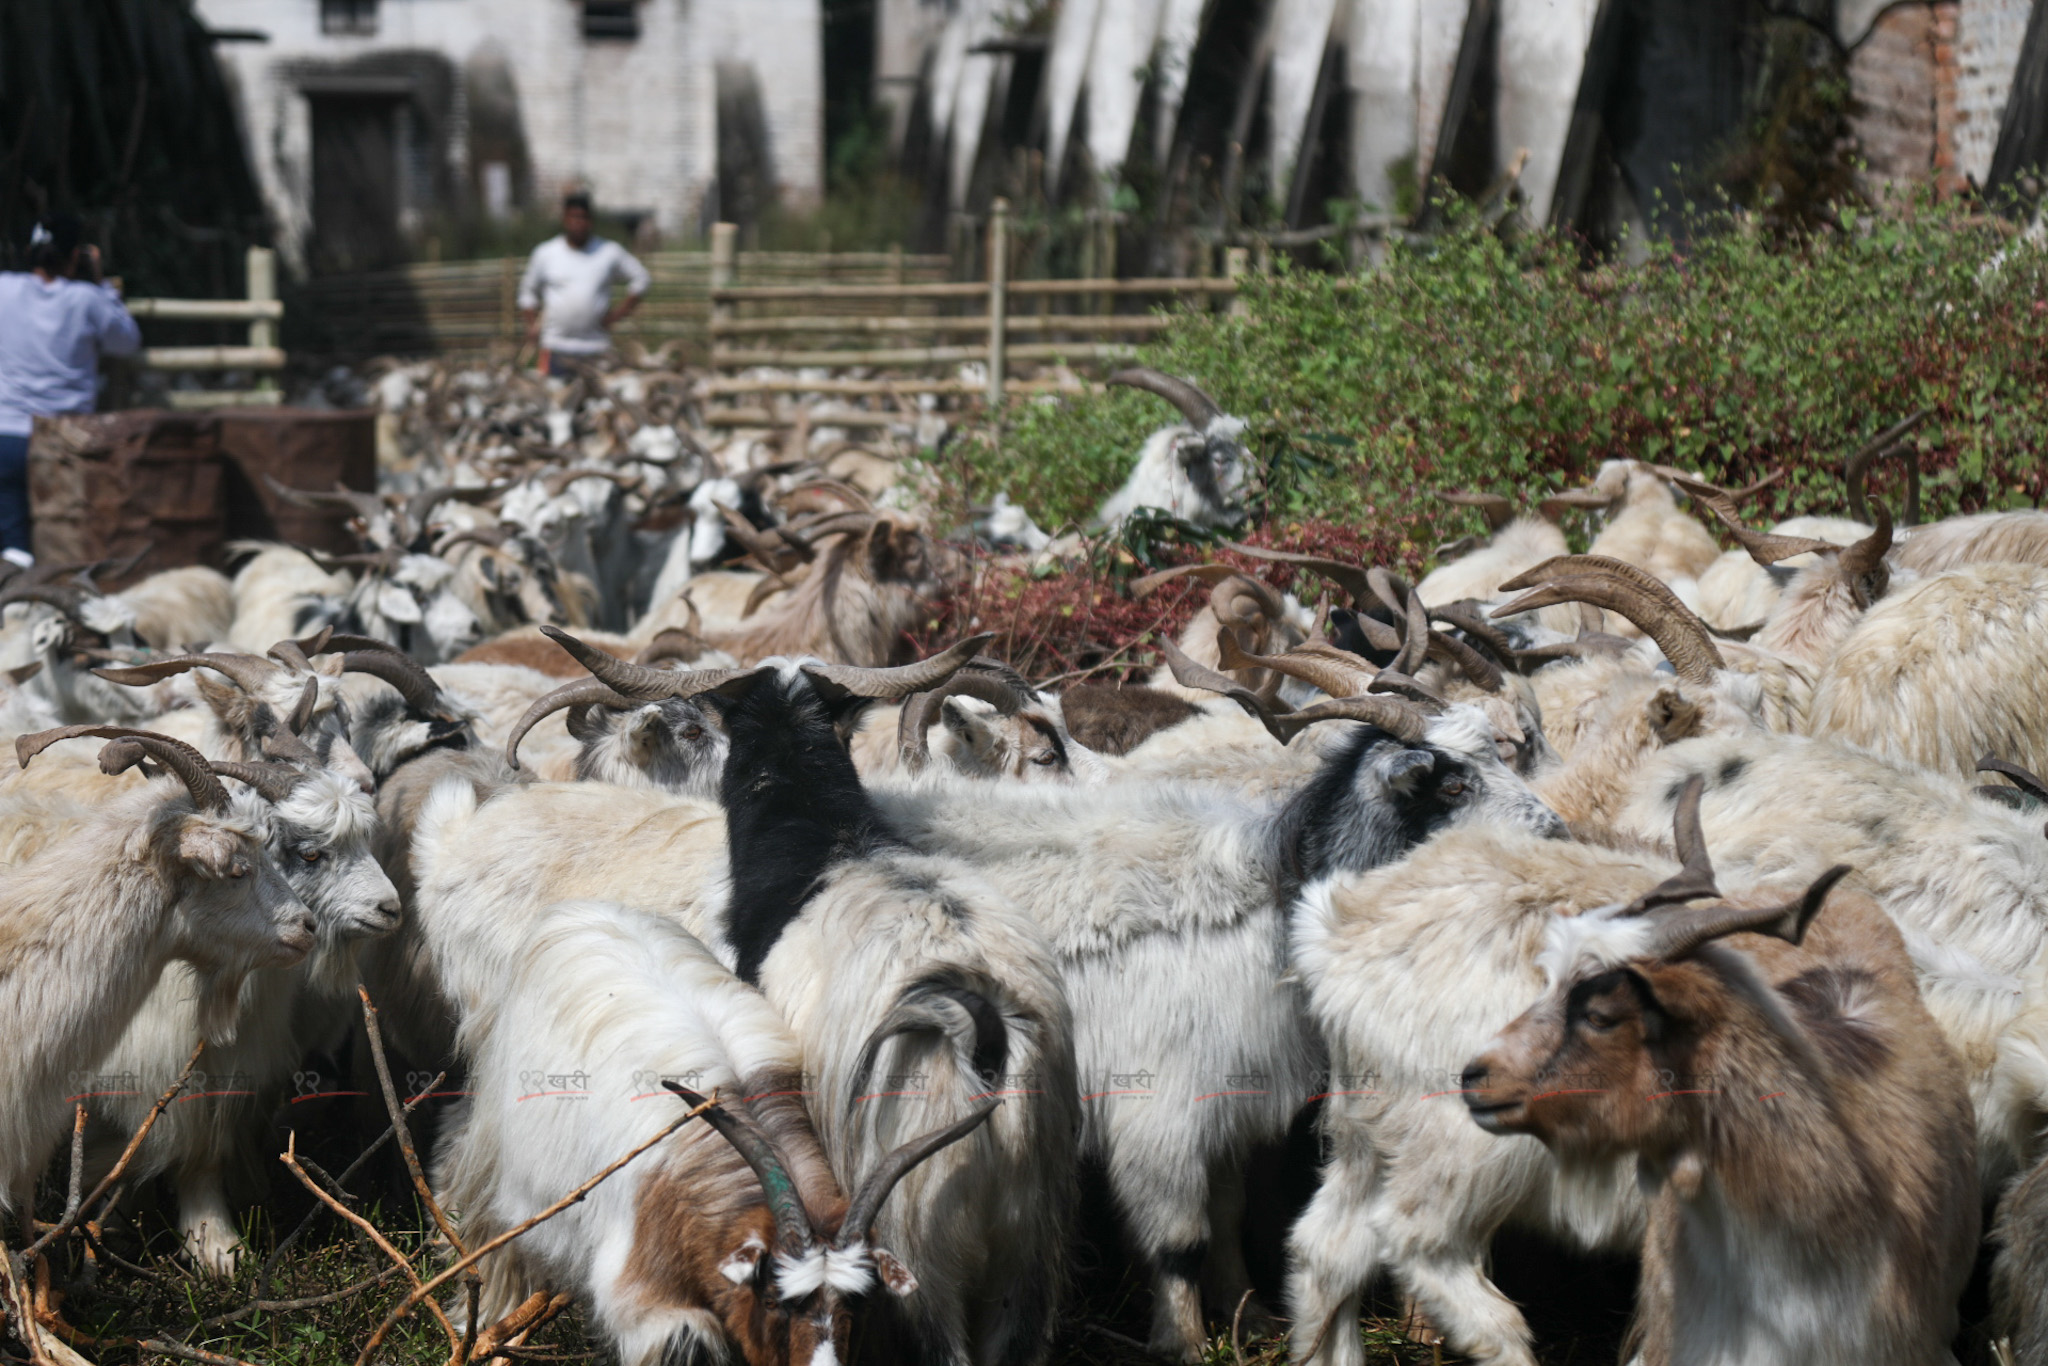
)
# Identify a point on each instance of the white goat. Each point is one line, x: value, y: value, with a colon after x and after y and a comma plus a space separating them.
x: 175, y: 872
x: 1195, y: 471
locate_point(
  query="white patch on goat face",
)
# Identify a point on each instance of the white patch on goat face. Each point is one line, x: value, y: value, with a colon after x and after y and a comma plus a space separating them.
x: 800, y: 1276
x: 825, y: 1354
x: 849, y: 1270
x: 1595, y: 940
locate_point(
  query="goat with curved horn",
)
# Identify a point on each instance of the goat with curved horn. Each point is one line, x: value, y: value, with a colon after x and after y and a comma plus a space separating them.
x: 638, y: 682
x: 248, y: 672
x: 866, y: 1202
x: 1349, y: 577
x: 889, y: 684
x: 1197, y: 407
x: 1339, y: 673
x: 178, y: 757
x: 414, y: 683
x: 1682, y: 636
x: 921, y: 712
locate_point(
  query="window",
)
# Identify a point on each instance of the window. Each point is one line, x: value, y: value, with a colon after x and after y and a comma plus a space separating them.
x: 349, y: 18
x: 611, y: 19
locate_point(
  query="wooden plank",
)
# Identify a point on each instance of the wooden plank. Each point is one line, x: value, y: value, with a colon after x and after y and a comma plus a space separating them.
x: 752, y: 293
x: 208, y: 310
x: 213, y: 358
x: 924, y: 355
x: 973, y: 322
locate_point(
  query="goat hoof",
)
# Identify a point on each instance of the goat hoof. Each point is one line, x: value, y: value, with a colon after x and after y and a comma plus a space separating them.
x: 213, y: 1251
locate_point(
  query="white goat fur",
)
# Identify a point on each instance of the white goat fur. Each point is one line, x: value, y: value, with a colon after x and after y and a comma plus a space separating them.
x: 875, y: 927
x: 278, y: 593
x: 1944, y: 671
x: 1984, y: 538
x: 1522, y: 544
x: 1408, y: 971
x: 1159, y: 480
x: 627, y: 998
x: 177, y: 608
x: 88, y: 928
x: 1965, y: 879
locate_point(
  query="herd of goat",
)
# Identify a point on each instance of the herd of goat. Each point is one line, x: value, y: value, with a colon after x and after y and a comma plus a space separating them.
x: 1650, y: 898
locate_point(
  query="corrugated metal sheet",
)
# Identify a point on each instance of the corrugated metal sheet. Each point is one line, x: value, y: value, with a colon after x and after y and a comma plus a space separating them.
x: 1542, y: 53
x: 1301, y: 34
x: 1066, y: 67
x: 1124, y: 36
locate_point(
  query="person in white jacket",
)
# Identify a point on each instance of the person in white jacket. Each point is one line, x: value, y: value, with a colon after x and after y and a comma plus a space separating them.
x: 56, y: 320
x: 566, y: 293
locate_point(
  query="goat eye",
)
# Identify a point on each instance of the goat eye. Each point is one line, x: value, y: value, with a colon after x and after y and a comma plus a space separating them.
x: 1045, y: 760
x: 1600, y: 1020
x: 693, y: 732
x: 310, y: 855
x: 1453, y: 788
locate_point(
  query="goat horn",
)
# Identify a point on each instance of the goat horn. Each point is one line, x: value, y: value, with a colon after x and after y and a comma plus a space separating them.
x: 288, y: 653
x: 769, y: 552
x: 1690, y: 481
x: 1483, y: 672
x: 807, y: 534
x: 637, y: 682
x: 1557, y: 504
x: 921, y: 712
x: 1225, y: 596
x: 248, y: 672
x: 1397, y: 716
x: 317, y: 643
x: 568, y: 695
x: 1866, y: 555
x: 771, y: 583
x: 491, y: 538
x: 838, y: 488
x: 793, y: 1228
x: 1682, y: 637
x: 273, y: 782
x: 1197, y: 407
x: 2026, y: 781
x: 177, y: 756
x: 859, y: 1223
x: 348, y: 644
x: 421, y: 506
x: 1415, y: 631
x: 1189, y: 674
x: 1681, y: 933
x: 1211, y: 574
x: 302, y: 713
x: 363, y: 505
x: 414, y: 683
x: 1887, y: 442
x: 1465, y: 614
x: 558, y: 483
x: 67, y: 598
x: 677, y: 643
x: 888, y: 684
x: 1348, y: 577
x: 1496, y: 509
x: 1317, y: 663
x: 1763, y: 547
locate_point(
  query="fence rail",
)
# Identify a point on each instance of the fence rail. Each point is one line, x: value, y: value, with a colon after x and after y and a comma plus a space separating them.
x: 262, y: 310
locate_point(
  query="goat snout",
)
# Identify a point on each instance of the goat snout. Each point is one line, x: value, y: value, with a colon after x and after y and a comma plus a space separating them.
x: 1486, y: 1100
x: 295, y: 937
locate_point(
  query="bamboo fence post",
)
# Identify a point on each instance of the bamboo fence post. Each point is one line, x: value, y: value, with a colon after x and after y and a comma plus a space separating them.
x: 262, y: 286
x: 724, y: 270
x: 998, y: 298
x: 1236, y: 261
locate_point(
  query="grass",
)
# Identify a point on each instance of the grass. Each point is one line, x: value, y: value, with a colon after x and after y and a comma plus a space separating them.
x: 1469, y: 361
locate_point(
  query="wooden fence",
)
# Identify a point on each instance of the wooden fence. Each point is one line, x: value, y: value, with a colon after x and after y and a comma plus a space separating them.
x: 1064, y: 321
x: 261, y: 310
x: 471, y: 306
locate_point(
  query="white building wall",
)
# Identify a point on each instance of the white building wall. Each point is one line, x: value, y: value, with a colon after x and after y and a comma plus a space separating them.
x: 1988, y: 38
x: 635, y: 121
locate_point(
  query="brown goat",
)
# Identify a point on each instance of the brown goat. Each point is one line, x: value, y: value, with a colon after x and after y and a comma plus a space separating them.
x: 1805, y: 1127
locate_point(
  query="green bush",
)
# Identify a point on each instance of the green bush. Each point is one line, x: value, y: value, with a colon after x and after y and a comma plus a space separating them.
x: 1473, y: 362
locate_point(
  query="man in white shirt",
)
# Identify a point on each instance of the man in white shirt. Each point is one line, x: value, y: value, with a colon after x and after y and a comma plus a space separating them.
x: 56, y: 320
x: 566, y: 293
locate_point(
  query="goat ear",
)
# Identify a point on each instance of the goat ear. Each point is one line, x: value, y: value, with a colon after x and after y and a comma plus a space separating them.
x: 883, y: 551
x: 1673, y: 716
x: 1401, y: 771
x: 743, y: 1263
x: 211, y: 850
x: 583, y: 722
x: 894, y: 1273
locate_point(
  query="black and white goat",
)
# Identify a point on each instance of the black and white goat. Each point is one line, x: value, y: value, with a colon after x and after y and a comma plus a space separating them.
x: 1194, y: 471
x: 913, y: 986
x: 1167, y: 907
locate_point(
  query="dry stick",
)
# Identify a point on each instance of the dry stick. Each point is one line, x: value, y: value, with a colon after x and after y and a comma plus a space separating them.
x: 535, y: 1312
x: 71, y: 1215
x: 19, y: 1310
x: 310, y: 1302
x: 1237, y: 1320
x: 412, y: 1158
x: 468, y: 1347
x: 573, y: 1197
x: 270, y: 1264
x: 164, y: 1347
x: 290, y: 1158
x: 71, y: 1197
